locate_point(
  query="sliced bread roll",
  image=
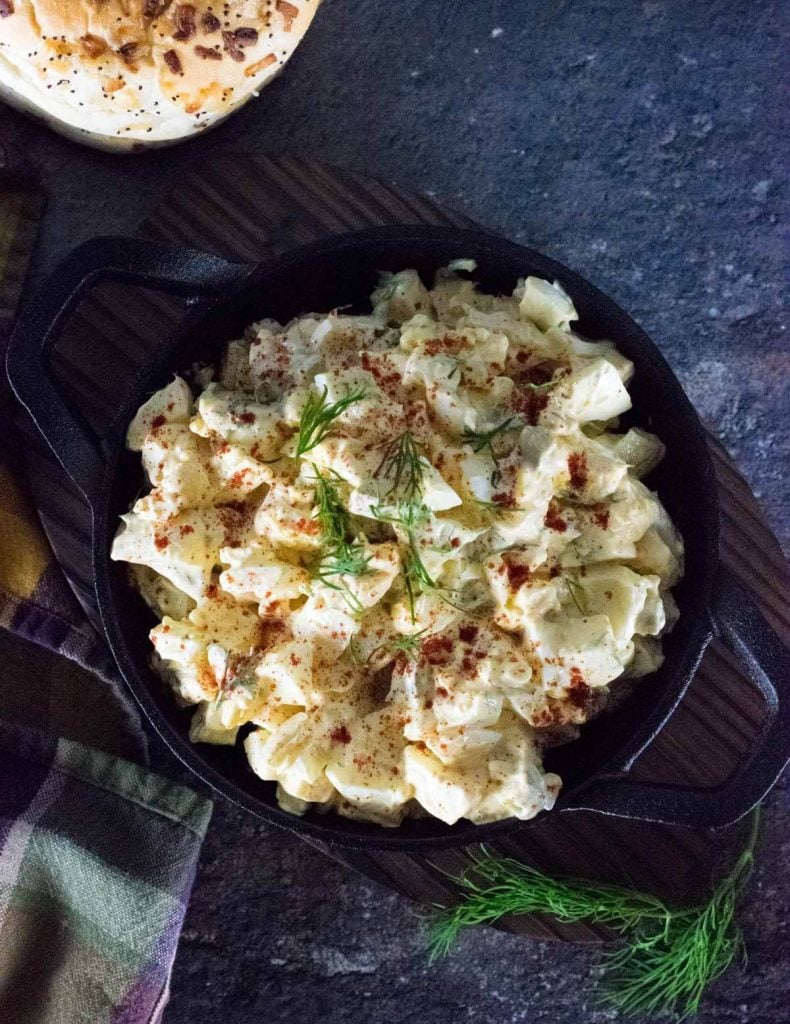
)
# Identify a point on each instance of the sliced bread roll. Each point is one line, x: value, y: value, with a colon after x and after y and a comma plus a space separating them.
x: 124, y: 74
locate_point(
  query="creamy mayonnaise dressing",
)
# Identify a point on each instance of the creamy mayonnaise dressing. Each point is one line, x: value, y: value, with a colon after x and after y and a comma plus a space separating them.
x: 403, y: 552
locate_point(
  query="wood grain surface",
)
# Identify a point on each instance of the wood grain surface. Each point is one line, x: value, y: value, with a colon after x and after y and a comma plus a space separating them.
x: 251, y: 208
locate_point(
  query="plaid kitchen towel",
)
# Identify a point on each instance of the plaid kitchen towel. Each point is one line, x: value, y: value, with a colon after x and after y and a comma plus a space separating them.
x: 97, y: 859
x: 97, y: 854
x: 35, y: 600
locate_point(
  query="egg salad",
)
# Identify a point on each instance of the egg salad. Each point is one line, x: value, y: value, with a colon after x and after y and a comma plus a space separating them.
x: 397, y: 555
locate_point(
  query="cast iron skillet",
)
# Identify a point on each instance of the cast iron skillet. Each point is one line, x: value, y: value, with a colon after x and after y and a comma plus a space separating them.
x: 224, y: 298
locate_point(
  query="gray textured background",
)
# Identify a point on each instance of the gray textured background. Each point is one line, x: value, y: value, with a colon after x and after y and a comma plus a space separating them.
x: 641, y: 144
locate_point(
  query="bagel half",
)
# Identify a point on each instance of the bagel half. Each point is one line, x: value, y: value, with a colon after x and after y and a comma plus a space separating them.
x: 127, y: 74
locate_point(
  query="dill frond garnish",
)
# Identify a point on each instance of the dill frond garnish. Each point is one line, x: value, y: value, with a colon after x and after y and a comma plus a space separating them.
x: 318, y: 416
x: 419, y: 580
x: 545, y: 386
x: 410, y: 515
x: 325, y: 576
x: 332, y: 516
x: 494, y: 508
x: 350, y: 560
x: 341, y: 556
x: 417, y: 577
x: 479, y: 440
x: 409, y: 643
x: 578, y: 595
x: 668, y: 956
x: 403, y: 466
x: 245, y: 681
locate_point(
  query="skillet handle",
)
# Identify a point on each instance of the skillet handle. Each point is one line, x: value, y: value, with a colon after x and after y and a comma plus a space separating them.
x: 150, y: 264
x: 740, y: 624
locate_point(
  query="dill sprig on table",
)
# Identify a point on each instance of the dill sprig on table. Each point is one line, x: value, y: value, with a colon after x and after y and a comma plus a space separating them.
x: 668, y: 956
x: 318, y: 417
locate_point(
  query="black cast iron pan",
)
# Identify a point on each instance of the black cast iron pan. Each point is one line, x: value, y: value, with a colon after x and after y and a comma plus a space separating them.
x: 225, y: 297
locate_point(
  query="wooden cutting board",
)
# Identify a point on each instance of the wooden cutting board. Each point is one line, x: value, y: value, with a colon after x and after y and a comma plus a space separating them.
x: 252, y: 207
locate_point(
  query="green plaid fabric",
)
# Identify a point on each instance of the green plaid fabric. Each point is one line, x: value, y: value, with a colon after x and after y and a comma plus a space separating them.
x: 97, y: 858
x: 97, y: 854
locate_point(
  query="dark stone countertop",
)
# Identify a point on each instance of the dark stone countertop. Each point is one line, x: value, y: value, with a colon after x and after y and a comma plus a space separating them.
x: 641, y: 144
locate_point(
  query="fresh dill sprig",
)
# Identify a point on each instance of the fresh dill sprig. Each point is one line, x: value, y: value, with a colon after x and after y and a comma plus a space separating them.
x: 408, y: 514
x: 403, y: 465
x: 668, y: 957
x: 244, y: 680
x: 698, y: 945
x: 341, y: 556
x: 409, y: 643
x: 578, y: 595
x: 493, y: 888
x: 492, y: 507
x: 419, y: 581
x: 417, y: 577
x: 318, y: 416
x: 481, y: 439
x: 331, y: 513
x: 341, y: 587
x: 403, y: 468
x: 545, y: 386
x: 349, y: 560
